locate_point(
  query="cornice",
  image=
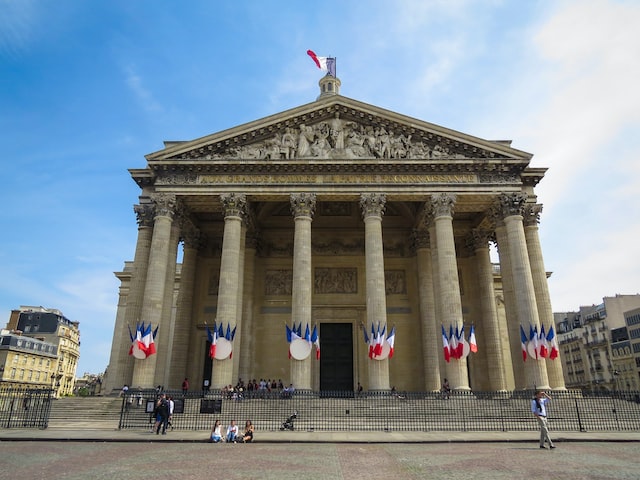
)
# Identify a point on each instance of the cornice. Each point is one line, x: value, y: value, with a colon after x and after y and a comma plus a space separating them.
x: 227, y: 142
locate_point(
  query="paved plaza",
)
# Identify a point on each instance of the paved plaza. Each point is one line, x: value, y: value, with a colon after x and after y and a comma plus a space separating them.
x: 59, y: 453
x: 186, y: 460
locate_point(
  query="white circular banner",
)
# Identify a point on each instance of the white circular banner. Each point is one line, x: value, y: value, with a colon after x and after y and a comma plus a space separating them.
x: 137, y: 353
x: 300, y: 349
x: 223, y: 349
x: 386, y: 348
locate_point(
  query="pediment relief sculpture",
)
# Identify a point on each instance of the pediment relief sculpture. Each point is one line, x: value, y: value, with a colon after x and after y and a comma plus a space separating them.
x: 336, y: 132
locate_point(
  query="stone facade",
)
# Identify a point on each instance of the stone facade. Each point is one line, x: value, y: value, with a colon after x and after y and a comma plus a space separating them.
x: 343, y: 216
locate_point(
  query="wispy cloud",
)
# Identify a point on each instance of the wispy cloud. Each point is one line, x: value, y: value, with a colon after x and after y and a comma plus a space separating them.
x: 141, y: 92
x: 18, y: 20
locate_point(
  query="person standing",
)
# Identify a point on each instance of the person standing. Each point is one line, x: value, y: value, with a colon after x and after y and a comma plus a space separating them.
x: 539, y: 410
x: 185, y: 386
x: 162, y: 418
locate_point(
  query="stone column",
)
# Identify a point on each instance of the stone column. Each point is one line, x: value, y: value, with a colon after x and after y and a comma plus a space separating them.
x: 239, y: 336
x: 302, y: 207
x: 144, y: 371
x: 247, y: 344
x: 233, y: 205
x: 164, y: 342
x: 479, y: 241
x: 442, y: 369
x: 120, y: 368
x: 431, y: 335
x: 449, y: 284
x: 543, y: 299
x: 509, y: 298
x: 184, y: 311
x: 512, y: 206
x: 372, y: 205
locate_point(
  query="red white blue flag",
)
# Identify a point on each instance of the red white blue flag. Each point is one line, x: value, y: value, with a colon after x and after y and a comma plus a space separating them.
x: 328, y: 64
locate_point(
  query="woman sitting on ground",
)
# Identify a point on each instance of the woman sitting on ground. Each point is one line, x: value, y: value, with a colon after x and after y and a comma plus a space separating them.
x: 216, y: 432
x: 247, y: 436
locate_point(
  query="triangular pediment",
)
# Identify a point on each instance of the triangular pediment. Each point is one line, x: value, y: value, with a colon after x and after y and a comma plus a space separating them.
x: 336, y: 128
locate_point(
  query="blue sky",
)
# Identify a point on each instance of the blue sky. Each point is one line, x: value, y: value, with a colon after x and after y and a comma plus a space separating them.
x: 88, y: 88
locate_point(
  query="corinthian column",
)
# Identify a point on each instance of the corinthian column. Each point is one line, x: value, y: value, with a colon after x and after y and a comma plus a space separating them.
x: 233, y: 205
x: 541, y: 287
x: 449, y: 284
x: 120, y: 368
x: 302, y: 207
x: 154, y: 291
x: 430, y: 334
x: 372, y: 205
x: 512, y: 207
x: 183, y: 325
x: 493, y: 351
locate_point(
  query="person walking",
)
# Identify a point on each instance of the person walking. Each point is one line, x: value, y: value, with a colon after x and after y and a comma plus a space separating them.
x: 539, y: 410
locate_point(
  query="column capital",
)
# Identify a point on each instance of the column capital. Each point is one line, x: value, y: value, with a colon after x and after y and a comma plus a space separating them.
x: 144, y: 214
x: 303, y: 204
x: 442, y: 204
x: 532, y: 213
x: 233, y: 204
x: 166, y: 204
x: 509, y: 204
x: 420, y: 238
x: 372, y: 204
x: 478, y: 239
x: 191, y: 236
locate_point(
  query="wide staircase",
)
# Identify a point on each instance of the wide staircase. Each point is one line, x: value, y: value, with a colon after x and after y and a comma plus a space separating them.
x: 85, y: 413
x: 414, y: 412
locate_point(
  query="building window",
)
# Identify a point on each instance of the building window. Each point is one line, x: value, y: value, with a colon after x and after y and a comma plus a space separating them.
x: 13, y: 373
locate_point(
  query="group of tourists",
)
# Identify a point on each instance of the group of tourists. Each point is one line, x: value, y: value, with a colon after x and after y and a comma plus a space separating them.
x: 232, y: 434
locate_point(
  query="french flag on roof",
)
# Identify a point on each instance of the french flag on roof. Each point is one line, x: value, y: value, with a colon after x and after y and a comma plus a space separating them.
x: 328, y: 64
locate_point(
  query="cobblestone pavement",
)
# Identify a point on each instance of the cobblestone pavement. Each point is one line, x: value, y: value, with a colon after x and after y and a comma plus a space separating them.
x: 451, y: 461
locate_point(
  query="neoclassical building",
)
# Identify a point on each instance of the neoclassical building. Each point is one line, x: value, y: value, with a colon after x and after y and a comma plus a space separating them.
x: 341, y: 216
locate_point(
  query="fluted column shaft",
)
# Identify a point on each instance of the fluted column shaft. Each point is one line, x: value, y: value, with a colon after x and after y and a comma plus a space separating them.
x: 240, y: 337
x: 372, y: 210
x: 491, y: 329
x: 144, y: 371
x: 541, y: 287
x: 234, y: 207
x: 449, y: 283
x: 526, y: 307
x: 511, y: 314
x: 431, y: 349
x: 120, y: 368
x: 247, y: 344
x: 302, y: 206
x: 164, y: 342
x: 182, y: 331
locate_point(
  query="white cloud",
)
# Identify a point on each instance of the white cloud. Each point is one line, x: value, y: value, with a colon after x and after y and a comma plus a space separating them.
x: 142, y: 93
x: 17, y: 25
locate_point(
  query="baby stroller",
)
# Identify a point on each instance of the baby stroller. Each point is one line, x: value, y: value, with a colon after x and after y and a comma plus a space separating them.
x: 288, y: 423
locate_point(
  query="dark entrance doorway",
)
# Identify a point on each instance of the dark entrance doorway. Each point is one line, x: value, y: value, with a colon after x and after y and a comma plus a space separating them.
x: 336, y: 359
x: 207, y: 368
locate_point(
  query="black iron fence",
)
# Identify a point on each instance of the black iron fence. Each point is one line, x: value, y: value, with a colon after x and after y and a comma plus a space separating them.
x: 24, y: 407
x: 389, y: 411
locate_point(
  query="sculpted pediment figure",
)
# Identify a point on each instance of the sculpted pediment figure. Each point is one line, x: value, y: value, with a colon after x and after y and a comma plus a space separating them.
x: 337, y: 128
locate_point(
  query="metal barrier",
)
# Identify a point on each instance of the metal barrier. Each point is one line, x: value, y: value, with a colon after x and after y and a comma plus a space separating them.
x: 389, y: 411
x: 25, y: 407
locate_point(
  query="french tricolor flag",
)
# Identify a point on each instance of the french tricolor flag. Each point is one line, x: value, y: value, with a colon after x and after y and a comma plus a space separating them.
x: 328, y: 64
